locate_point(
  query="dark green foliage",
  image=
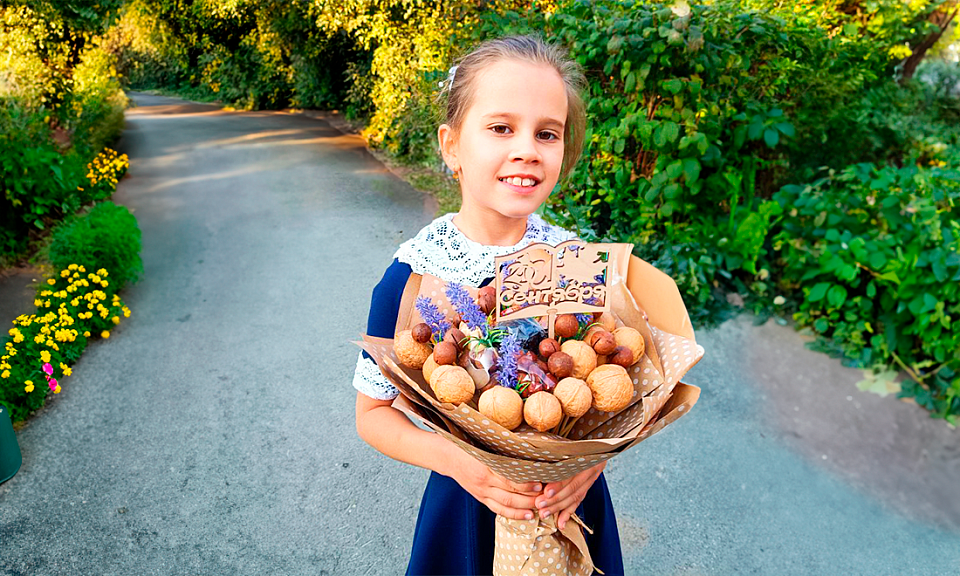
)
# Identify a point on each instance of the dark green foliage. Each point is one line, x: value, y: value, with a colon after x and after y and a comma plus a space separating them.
x: 107, y: 237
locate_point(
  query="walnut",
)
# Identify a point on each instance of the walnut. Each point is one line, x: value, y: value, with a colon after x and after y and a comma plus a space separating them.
x: 574, y: 395
x: 611, y: 386
x: 584, y: 358
x: 542, y: 411
x: 452, y: 384
x: 502, y: 405
x: 429, y: 366
x: 608, y: 321
x: 566, y: 326
x: 410, y: 352
x: 632, y: 339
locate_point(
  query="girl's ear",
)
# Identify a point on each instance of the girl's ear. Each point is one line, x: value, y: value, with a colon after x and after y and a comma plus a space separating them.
x: 448, y: 147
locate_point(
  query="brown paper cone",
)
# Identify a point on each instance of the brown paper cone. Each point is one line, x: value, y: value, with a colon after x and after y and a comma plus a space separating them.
x: 539, y: 548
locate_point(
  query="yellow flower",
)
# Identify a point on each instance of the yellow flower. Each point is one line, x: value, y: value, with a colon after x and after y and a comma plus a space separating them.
x: 5, y: 374
x: 57, y: 389
x: 116, y: 319
x: 102, y: 272
x: 64, y: 273
x: 126, y: 312
x: 72, y: 267
x: 38, y: 303
x: 81, y: 269
x: 44, y: 355
x: 86, y: 334
x: 104, y: 283
x: 28, y: 387
x: 66, y: 370
x: 51, y: 281
x: 75, y: 302
x: 105, y: 334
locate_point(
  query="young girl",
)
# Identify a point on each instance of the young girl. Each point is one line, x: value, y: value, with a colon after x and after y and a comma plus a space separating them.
x: 514, y: 126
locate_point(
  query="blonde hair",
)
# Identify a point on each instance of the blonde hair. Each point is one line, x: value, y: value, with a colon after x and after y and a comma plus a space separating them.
x: 459, y: 89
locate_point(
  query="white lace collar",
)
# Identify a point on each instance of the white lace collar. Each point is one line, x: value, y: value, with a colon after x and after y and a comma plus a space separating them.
x: 440, y: 249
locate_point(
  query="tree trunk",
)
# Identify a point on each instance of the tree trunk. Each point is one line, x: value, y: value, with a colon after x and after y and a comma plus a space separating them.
x: 942, y: 17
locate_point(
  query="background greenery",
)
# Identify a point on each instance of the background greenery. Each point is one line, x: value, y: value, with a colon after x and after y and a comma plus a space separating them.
x: 798, y: 159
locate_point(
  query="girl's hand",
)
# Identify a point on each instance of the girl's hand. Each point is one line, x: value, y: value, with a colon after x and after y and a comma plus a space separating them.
x: 563, y: 497
x: 503, y: 497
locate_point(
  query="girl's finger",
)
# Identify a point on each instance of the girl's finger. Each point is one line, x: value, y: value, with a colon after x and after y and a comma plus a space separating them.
x: 531, y: 488
x: 512, y: 500
x: 506, y: 512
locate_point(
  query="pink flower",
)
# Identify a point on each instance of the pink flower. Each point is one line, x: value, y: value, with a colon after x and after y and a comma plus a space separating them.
x: 53, y: 383
x: 48, y: 368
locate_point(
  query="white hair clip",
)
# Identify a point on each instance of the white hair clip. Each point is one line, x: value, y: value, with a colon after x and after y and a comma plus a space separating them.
x: 450, y: 76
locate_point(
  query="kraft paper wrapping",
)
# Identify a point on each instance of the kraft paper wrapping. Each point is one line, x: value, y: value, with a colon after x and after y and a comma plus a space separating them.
x: 641, y: 297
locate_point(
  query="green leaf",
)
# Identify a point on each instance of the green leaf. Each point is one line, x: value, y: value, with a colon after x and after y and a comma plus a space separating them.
x: 882, y: 383
x: 821, y: 325
x: 836, y: 295
x: 755, y: 130
x: 630, y: 83
x: 878, y: 260
x: 818, y: 292
x: 785, y: 128
x: 675, y: 169
x: 771, y: 137
x: 673, y: 85
x: 691, y: 170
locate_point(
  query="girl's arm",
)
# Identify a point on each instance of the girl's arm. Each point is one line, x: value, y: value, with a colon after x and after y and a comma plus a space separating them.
x: 393, y: 434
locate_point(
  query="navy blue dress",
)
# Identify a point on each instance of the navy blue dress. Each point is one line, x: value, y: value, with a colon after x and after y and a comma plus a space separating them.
x: 455, y: 532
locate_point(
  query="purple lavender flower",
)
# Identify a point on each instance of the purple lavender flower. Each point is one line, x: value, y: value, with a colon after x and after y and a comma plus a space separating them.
x: 585, y: 319
x: 468, y: 310
x: 508, y: 353
x: 433, y: 317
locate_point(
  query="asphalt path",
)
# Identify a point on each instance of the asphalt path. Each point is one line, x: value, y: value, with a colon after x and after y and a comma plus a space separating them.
x: 213, y: 433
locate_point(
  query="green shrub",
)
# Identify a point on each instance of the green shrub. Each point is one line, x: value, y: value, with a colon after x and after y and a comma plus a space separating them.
x: 107, y: 237
x: 876, y: 254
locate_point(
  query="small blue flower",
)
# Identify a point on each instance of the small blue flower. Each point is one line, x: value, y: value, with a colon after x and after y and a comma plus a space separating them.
x: 508, y: 353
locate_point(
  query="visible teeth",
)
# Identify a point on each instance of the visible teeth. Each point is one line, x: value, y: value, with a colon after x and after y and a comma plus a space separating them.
x: 518, y: 181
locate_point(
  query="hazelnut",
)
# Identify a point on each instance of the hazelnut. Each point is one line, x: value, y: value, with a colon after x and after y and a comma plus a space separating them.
x: 632, y: 339
x: 463, y: 360
x: 502, y: 405
x: 429, y: 365
x: 584, y: 358
x: 542, y: 411
x: 548, y: 346
x: 456, y: 336
x: 560, y: 365
x: 566, y: 326
x: 574, y: 395
x: 445, y: 353
x: 422, y: 333
x: 410, y: 352
x: 611, y: 386
x: 604, y: 342
x: 487, y: 299
x: 452, y: 384
x: 621, y: 356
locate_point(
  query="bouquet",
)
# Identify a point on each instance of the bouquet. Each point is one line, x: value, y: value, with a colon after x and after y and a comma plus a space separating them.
x: 574, y: 355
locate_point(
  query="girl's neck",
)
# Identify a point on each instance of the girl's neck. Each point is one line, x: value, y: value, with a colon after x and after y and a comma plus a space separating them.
x: 490, y: 228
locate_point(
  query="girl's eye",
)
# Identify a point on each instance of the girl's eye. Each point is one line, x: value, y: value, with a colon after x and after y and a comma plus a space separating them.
x: 547, y: 136
x: 500, y: 129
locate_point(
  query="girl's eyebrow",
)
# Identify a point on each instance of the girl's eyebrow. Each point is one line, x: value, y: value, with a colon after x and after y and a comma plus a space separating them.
x: 544, y: 120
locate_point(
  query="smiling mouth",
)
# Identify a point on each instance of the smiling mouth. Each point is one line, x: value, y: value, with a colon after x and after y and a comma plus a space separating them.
x: 518, y: 181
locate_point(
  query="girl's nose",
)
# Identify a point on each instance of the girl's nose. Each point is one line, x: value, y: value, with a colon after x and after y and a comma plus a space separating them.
x: 526, y: 151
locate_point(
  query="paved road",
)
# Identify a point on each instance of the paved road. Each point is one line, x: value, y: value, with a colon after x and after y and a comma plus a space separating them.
x: 213, y: 433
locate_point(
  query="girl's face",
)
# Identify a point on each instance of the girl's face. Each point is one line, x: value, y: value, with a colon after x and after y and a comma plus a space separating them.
x: 509, y: 149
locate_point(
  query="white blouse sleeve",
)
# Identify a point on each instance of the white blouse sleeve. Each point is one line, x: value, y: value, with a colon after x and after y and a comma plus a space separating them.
x: 368, y: 379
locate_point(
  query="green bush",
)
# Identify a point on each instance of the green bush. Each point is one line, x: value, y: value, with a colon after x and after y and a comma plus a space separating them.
x: 107, y: 237
x: 876, y: 254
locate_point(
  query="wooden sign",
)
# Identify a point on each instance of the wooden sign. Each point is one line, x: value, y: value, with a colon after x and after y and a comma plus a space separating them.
x: 544, y: 280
